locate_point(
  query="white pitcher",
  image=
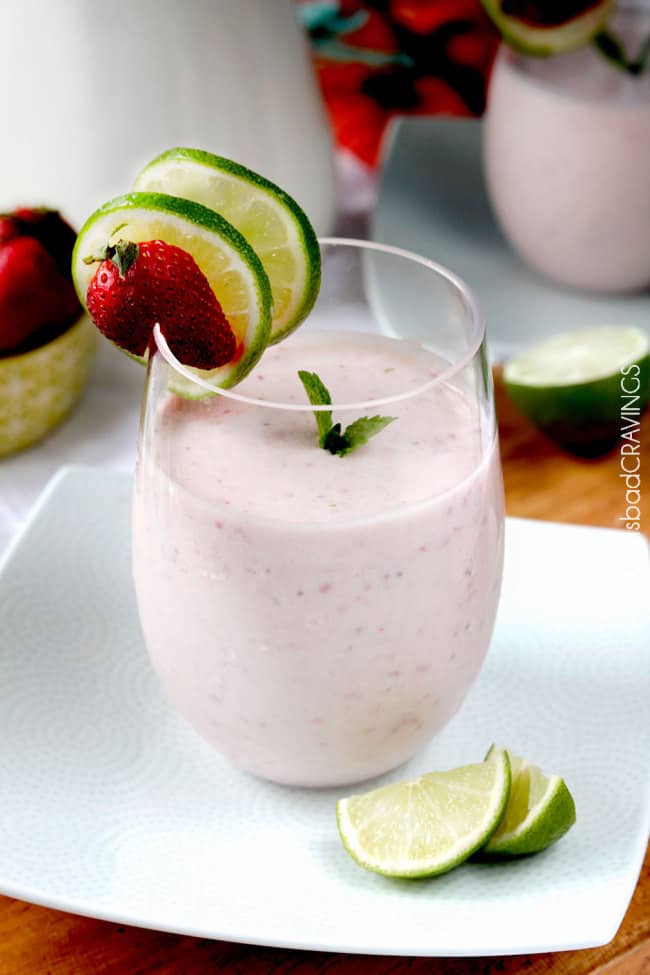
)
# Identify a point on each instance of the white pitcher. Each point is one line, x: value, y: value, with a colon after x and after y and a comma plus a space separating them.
x: 91, y: 92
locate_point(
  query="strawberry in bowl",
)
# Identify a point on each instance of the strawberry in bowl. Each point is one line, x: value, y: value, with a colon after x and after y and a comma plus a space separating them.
x: 46, y: 345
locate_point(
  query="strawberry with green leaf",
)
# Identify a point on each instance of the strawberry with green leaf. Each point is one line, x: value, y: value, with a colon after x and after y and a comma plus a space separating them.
x: 139, y: 285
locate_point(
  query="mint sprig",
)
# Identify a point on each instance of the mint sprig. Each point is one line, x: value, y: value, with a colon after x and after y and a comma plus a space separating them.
x: 612, y: 48
x: 331, y: 436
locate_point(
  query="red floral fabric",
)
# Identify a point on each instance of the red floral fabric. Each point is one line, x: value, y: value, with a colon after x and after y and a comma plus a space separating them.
x: 380, y: 58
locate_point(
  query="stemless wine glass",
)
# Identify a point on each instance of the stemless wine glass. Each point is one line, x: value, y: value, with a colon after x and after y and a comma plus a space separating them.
x: 566, y: 143
x: 318, y: 617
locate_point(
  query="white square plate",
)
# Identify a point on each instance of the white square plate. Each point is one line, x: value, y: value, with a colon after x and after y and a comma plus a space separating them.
x: 432, y: 200
x: 110, y: 806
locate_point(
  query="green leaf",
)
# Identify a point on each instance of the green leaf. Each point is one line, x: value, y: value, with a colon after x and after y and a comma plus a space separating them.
x: 360, y: 431
x: 330, y: 436
x: 642, y: 59
x: 319, y: 395
x: 123, y: 255
x: 612, y: 48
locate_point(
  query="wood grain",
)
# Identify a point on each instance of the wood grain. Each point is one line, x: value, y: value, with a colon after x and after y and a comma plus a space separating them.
x: 541, y: 482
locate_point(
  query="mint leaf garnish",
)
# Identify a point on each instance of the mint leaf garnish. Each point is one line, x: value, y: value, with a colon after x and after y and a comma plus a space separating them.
x: 330, y: 435
x: 611, y: 47
x: 364, y: 428
x: 318, y: 395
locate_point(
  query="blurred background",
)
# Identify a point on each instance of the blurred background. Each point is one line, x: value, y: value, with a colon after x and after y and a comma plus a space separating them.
x: 377, y: 59
x: 89, y: 98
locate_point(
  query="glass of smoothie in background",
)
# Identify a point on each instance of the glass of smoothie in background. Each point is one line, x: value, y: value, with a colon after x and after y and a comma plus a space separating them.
x: 317, y: 618
x: 567, y: 160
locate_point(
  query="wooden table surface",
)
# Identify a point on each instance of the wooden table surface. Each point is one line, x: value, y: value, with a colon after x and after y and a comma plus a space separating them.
x: 541, y: 482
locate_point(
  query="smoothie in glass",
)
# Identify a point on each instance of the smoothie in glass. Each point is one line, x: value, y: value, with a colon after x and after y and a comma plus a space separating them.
x: 567, y: 162
x: 317, y: 618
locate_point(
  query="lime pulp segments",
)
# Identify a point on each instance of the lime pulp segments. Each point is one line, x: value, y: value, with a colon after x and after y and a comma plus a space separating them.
x: 221, y: 252
x: 270, y: 220
x: 426, y: 826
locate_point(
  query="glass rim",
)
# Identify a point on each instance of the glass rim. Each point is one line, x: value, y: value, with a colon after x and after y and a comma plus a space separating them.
x: 475, y: 341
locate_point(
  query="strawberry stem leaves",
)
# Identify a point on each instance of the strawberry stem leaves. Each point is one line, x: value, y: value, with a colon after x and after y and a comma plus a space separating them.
x: 331, y: 436
x: 123, y: 255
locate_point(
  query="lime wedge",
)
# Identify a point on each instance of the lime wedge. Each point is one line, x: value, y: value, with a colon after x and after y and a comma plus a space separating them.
x: 270, y: 220
x: 428, y: 825
x: 221, y: 252
x: 582, y: 387
x: 540, y: 810
x: 541, y: 29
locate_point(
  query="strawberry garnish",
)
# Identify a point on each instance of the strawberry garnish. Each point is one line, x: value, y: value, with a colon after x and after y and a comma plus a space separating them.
x: 139, y: 285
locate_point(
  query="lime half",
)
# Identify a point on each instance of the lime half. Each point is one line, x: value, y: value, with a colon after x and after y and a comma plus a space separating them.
x: 270, y: 220
x: 428, y: 825
x: 221, y: 252
x: 582, y: 387
x: 540, y: 810
x: 542, y: 29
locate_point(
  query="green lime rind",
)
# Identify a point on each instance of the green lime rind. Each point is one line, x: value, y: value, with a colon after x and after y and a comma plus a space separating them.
x: 202, y: 176
x: 538, y: 832
x: 542, y: 41
x: 581, y: 407
x: 218, y: 248
x: 427, y: 826
x: 584, y: 420
x: 540, y: 811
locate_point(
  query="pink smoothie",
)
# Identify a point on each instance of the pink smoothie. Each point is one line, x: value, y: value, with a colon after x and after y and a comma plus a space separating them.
x: 318, y: 618
x: 567, y: 161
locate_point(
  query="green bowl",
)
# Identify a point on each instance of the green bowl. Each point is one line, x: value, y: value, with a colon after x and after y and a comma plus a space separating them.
x: 39, y: 388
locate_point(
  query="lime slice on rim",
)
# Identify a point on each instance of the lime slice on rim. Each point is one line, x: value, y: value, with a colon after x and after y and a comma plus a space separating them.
x: 427, y: 825
x: 223, y: 255
x: 576, y: 387
x: 270, y: 220
x: 541, y: 29
x: 540, y: 810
